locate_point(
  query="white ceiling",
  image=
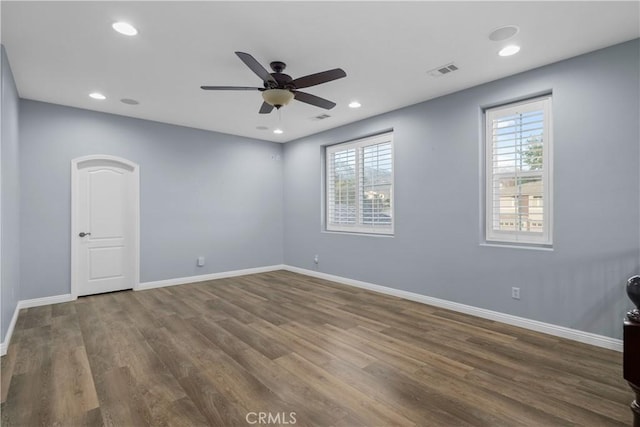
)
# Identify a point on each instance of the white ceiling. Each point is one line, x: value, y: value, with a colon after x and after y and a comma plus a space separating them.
x: 62, y: 51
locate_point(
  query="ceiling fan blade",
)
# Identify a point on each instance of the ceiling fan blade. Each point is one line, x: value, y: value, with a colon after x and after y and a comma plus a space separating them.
x: 318, y: 78
x: 266, y: 108
x: 255, y: 66
x: 229, y: 88
x: 314, y: 100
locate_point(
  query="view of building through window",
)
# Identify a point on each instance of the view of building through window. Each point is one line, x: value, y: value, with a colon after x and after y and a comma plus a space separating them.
x: 520, y: 206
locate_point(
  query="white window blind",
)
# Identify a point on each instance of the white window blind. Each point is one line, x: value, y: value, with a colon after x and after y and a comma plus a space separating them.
x: 359, y: 186
x: 518, y: 171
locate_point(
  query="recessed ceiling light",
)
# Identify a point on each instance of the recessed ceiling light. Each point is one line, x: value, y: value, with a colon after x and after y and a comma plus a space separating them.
x: 503, y: 33
x: 512, y: 49
x: 355, y: 104
x: 129, y: 101
x: 124, y: 28
x: 97, y: 95
x: 262, y: 127
x: 278, y: 131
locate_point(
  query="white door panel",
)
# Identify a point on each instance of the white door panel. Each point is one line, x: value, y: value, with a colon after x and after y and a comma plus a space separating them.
x: 106, y: 211
x: 107, y: 203
x: 107, y: 262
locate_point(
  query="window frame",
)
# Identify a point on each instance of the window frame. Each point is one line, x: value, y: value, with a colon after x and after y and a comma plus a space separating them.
x: 525, y: 238
x: 359, y: 227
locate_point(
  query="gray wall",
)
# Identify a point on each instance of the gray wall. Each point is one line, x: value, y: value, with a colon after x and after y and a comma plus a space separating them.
x: 10, y: 193
x: 202, y: 193
x: 437, y: 251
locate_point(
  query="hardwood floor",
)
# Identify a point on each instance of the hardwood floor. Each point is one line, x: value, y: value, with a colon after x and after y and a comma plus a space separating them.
x: 298, y: 349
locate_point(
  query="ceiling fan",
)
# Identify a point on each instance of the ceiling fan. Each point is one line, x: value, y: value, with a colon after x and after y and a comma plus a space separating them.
x: 279, y: 88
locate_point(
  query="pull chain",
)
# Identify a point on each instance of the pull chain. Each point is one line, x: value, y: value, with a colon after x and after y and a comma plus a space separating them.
x: 279, y: 130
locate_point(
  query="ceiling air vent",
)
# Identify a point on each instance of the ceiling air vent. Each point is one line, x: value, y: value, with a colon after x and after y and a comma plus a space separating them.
x: 321, y: 117
x: 443, y: 70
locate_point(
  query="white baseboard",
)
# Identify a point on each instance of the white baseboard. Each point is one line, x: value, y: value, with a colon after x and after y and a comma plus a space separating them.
x: 5, y: 344
x: 534, y: 325
x: 37, y: 302
x: 205, y: 277
x: 28, y: 303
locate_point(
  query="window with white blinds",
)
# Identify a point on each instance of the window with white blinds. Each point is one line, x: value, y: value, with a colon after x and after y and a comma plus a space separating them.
x: 518, y: 172
x: 359, y: 186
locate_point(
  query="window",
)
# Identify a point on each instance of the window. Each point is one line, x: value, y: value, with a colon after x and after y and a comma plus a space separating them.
x: 518, y: 147
x: 359, y: 186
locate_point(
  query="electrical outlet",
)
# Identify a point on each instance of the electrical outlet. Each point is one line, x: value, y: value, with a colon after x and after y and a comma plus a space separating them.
x: 200, y: 261
x: 316, y: 259
x: 515, y: 293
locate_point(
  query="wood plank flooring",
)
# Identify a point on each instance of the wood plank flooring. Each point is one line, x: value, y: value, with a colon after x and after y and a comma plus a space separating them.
x: 219, y: 353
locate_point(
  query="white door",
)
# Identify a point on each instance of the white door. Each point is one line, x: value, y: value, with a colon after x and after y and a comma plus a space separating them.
x: 104, y: 225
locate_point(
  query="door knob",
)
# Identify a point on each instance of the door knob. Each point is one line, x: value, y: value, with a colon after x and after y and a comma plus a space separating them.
x: 84, y: 234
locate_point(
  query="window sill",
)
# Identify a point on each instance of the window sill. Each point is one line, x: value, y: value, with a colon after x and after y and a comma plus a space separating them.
x: 529, y: 246
x: 354, y: 233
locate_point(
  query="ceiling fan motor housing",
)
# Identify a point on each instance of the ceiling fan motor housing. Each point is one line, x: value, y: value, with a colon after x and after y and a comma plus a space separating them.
x: 283, y: 81
x: 277, y: 97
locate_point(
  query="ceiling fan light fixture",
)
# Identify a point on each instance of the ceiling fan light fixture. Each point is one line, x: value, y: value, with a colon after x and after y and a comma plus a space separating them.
x: 277, y: 97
